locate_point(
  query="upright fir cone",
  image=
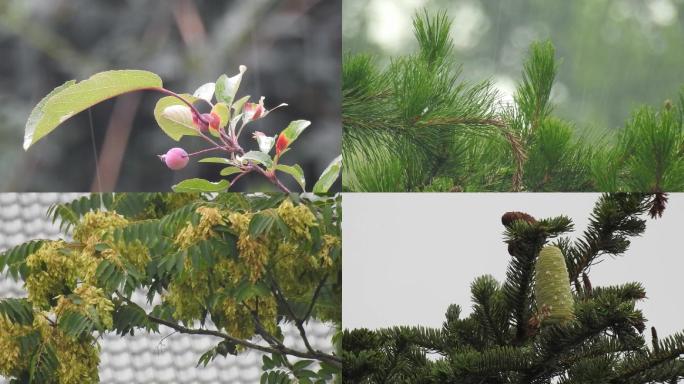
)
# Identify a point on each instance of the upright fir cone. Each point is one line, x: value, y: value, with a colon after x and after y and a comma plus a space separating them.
x: 552, y: 287
x: 509, y: 217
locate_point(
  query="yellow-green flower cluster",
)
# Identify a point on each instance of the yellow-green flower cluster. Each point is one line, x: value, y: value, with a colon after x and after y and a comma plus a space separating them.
x: 53, y: 270
x: 10, y: 362
x: 190, y: 235
x: 187, y: 294
x: 78, y: 359
x: 291, y: 260
x: 253, y: 251
x: 97, y: 228
x: 188, y: 291
x: 299, y: 219
x: 238, y: 317
x: 91, y: 298
x: 95, y: 225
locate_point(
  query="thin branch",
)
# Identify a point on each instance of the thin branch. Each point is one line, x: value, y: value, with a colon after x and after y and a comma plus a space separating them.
x: 316, y: 355
x: 314, y: 298
x: 272, y: 177
x: 302, y: 332
x: 517, y: 147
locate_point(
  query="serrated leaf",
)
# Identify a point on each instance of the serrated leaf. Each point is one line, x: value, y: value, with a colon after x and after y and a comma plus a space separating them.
x: 259, y: 157
x: 329, y: 175
x: 201, y: 185
x: 227, y: 87
x: 71, y: 98
x: 294, y: 129
x: 175, y: 122
x: 227, y: 171
x: 294, y: 171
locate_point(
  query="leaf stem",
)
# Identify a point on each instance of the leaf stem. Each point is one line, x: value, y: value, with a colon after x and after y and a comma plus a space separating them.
x: 206, y: 150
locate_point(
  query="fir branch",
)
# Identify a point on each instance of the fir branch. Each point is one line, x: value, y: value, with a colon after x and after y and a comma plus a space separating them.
x: 614, y: 219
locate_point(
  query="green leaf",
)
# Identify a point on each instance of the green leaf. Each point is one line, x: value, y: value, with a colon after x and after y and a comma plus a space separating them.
x: 238, y: 104
x: 230, y: 171
x: 301, y: 364
x: 221, y: 109
x: 205, y: 91
x: 268, y: 363
x: 177, y: 120
x: 294, y: 129
x: 127, y: 317
x: 15, y: 258
x: 76, y: 324
x: 227, y: 87
x: 294, y: 171
x: 217, y: 160
x: 246, y: 290
x: 201, y: 185
x: 43, y: 364
x: 17, y: 311
x: 71, y: 98
x: 261, y: 223
x: 259, y: 157
x: 329, y: 175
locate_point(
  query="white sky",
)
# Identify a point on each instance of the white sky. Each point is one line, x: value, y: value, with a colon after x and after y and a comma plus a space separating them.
x: 408, y: 256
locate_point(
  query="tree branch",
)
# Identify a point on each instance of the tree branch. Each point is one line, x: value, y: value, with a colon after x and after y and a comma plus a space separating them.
x: 279, y: 296
x: 282, y: 349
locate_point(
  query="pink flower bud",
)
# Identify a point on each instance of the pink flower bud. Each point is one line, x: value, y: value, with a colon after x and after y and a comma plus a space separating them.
x: 175, y: 158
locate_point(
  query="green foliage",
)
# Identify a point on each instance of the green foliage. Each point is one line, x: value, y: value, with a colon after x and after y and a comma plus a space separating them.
x: 201, y: 185
x: 71, y: 98
x: 242, y: 266
x: 416, y: 126
x: 328, y: 177
x: 508, y: 337
x: 18, y: 311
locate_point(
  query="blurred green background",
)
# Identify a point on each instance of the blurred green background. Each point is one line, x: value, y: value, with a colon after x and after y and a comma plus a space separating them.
x: 616, y: 54
x: 291, y: 49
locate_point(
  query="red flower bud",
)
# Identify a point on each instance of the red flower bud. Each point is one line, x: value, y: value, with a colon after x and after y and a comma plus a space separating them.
x: 281, y: 143
x: 214, y: 120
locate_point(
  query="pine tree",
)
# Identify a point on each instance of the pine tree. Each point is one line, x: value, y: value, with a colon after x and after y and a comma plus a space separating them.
x: 522, y: 330
x: 418, y: 126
